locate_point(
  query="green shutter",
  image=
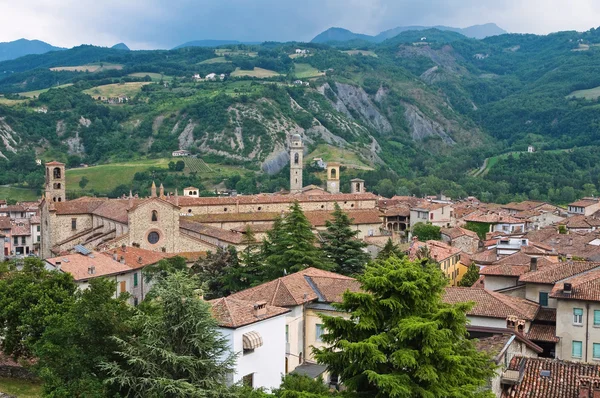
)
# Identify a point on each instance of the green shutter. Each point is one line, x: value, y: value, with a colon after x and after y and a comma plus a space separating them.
x: 544, y: 299
x: 596, y: 317
x: 596, y: 351
x: 576, y: 349
x: 135, y: 279
x: 578, y: 311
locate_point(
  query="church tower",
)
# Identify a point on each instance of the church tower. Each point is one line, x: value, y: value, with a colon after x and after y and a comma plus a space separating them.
x: 333, y: 177
x: 296, y: 155
x: 55, y: 182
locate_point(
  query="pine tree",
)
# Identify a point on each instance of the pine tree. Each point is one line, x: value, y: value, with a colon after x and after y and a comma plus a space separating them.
x: 470, y: 277
x: 390, y: 250
x: 290, y: 246
x: 341, y: 246
x: 401, y: 340
x: 177, y: 352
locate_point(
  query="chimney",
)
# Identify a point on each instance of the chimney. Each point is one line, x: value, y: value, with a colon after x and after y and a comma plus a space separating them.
x: 260, y: 308
x: 114, y: 256
x: 568, y: 288
x: 122, y: 260
x: 520, y: 326
x: 91, y: 270
x: 58, y: 265
x: 139, y: 260
x: 533, y: 264
x: 123, y: 247
x: 511, y: 322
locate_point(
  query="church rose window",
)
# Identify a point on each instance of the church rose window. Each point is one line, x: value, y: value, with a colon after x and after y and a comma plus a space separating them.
x: 153, y: 237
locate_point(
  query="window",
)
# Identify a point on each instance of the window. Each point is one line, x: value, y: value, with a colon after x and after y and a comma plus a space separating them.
x: 596, y: 317
x: 248, y: 380
x: 38, y: 238
x: 543, y: 299
x: 56, y: 173
x: 576, y: 349
x: 39, y: 228
x: 22, y: 240
x: 135, y: 279
x: 153, y: 237
x: 596, y: 353
x: 154, y: 215
x: 73, y: 223
x: 135, y: 301
x: 296, y: 158
x: 16, y: 240
x: 578, y: 316
x: 122, y: 287
x: 319, y: 332
x: 431, y: 216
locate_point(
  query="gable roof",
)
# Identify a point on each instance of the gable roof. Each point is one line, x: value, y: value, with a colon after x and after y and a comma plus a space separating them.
x: 514, y: 265
x: 308, y: 285
x: 438, y: 251
x: 136, y: 257
x: 457, y: 232
x: 557, y: 271
x: 491, y: 304
x: 78, y: 265
x: 584, y: 287
x: 234, y: 313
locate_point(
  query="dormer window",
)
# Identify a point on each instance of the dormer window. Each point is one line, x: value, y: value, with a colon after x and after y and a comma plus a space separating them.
x: 154, y: 215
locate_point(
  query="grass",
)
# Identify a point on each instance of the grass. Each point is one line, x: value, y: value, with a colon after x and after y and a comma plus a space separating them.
x: 217, y: 60
x: 10, y: 102
x: 305, y: 71
x: 104, y: 178
x: 589, y: 94
x: 21, y: 388
x: 294, y: 56
x: 220, y: 52
x: 361, y: 52
x: 196, y: 165
x: 116, y: 89
x: 334, y: 154
x: 156, y: 77
x: 93, y: 67
x: 18, y: 194
x: 256, y: 72
x: 36, y: 93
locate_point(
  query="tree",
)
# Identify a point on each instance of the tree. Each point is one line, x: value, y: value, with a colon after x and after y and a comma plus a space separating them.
x: 164, y: 268
x: 83, y: 182
x: 290, y: 246
x: 301, y: 386
x: 390, y: 250
x: 400, y: 339
x: 221, y: 273
x: 470, y: 277
x: 177, y: 351
x: 27, y: 299
x: 180, y: 165
x: 341, y: 246
x: 76, y: 342
x: 426, y: 232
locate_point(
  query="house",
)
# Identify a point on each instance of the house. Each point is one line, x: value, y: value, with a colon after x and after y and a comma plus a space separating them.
x: 306, y: 294
x: 585, y: 206
x: 197, y: 77
x: 181, y: 152
x: 530, y: 149
x: 301, y: 51
x: 256, y: 332
x: 211, y: 76
x: 191, y: 191
x: 318, y: 162
x: 438, y: 214
x: 461, y: 238
x: 504, y: 273
x: 496, y: 221
x: 222, y: 76
x: 298, y: 82
x: 447, y: 257
x: 581, y: 223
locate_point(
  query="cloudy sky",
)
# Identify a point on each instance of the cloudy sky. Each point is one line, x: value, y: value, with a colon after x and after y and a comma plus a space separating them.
x: 146, y: 24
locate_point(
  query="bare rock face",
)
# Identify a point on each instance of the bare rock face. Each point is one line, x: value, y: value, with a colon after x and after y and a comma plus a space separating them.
x: 84, y: 122
x: 357, y: 100
x: 276, y: 161
x: 75, y: 145
x: 422, y: 127
x: 8, y: 137
x: 186, y: 138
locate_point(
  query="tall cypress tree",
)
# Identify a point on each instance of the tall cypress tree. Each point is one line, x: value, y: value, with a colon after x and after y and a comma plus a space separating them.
x: 401, y: 340
x: 290, y: 246
x: 341, y: 245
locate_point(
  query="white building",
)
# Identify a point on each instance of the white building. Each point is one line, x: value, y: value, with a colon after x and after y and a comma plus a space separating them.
x: 530, y: 149
x: 211, y: 76
x: 192, y: 192
x: 180, y: 152
x: 256, y: 333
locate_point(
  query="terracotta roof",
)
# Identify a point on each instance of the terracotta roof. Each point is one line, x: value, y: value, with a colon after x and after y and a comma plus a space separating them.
x: 272, y: 198
x: 12, y: 208
x: 546, y: 314
x: 78, y: 265
x: 5, y: 223
x: 485, y: 257
x: 439, y: 251
x: 584, y: 287
x: 254, y: 227
x: 54, y: 163
x: 584, y: 203
x: 493, y: 345
x: 492, y: 218
x: 301, y: 287
x: 562, y: 382
x: 399, y: 210
x: 523, y: 206
x: 491, y: 304
x: 581, y: 222
x: 557, y: 271
x: 35, y: 220
x: 457, y: 232
x: 213, y: 232
x: 573, y: 243
x: 233, y: 313
x: 136, y: 257
x: 538, y: 332
x: 114, y: 209
x: 316, y: 218
x: 319, y: 218
x: 21, y: 227
x: 514, y: 265
x: 86, y: 206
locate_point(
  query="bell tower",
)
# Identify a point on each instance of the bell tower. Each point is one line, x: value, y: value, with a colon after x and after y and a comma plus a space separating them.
x: 296, y: 155
x: 55, y: 182
x: 333, y: 177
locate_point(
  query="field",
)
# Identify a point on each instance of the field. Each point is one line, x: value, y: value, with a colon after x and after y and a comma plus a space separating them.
x: 361, y: 52
x: 18, y: 194
x: 10, y: 102
x: 94, y: 67
x: 333, y: 154
x: 257, y: 72
x: 590, y: 94
x: 196, y: 165
x: 115, y: 90
x: 21, y: 388
x: 294, y: 56
x: 217, y: 60
x: 36, y: 93
x: 104, y: 178
x: 305, y: 71
x: 156, y: 77
x: 226, y: 51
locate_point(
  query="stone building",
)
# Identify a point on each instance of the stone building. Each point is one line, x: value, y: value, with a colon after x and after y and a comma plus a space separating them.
x: 296, y: 159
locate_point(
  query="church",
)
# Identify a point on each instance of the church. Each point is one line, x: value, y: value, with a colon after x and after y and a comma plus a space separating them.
x: 189, y: 223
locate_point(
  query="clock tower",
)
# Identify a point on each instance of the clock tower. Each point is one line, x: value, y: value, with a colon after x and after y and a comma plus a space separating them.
x: 333, y: 177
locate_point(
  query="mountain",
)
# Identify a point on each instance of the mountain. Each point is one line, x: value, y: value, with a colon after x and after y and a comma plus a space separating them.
x: 18, y: 48
x: 343, y: 35
x: 211, y: 43
x: 120, y: 46
x: 339, y: 35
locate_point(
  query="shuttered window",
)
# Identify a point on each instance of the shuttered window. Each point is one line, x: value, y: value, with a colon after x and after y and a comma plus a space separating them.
x: 596, y: 317
x: 576, y: 349
x: 135, y: 279
x: 544, y: 299
x: 596, y: 351
x: 578, y: 316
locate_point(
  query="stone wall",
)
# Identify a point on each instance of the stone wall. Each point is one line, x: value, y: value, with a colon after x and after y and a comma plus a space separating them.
x: 167, y: 225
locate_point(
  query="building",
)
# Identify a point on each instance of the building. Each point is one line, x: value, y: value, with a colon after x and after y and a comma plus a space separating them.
x: 496, y: 221
x: 438, y: 214
x: 447, y: 257
x: 463, y: 239
x: 256, y: 333
x: 530, y: 149
x: 181, y: 152
x: 333, y: 177
x: 296, y: 163
x: 585, y: 206
x: 191, y: 191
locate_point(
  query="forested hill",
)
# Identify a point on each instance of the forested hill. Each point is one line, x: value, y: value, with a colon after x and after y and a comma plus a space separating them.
x: 414, y: 114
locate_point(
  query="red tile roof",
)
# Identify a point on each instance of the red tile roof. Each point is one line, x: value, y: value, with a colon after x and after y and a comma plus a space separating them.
x: 136, y: 257
x: 538, y: 332
x: 78, y: 265
x: 557, y: 271
x: 584, y: 287
x: 563, y: 381
x: 514, y: 265
x: 233, y: 313
x: 546, y: 314
x: 272, y: 198
x: 213, y: 232
x: 438, y: 251
x: 492, y: 218
x: 54, y: 163
x: 457, y: 232
x: 584, y: 203
x: 485, y: 257
x: 491, y: 304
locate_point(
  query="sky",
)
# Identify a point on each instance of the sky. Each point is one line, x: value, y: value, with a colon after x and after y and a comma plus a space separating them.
x: 150, y: 24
